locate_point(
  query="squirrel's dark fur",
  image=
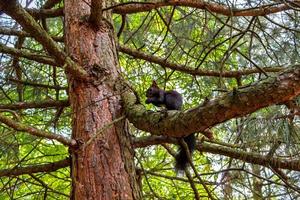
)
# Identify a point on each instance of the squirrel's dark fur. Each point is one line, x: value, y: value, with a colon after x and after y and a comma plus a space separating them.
x: 172, y: 100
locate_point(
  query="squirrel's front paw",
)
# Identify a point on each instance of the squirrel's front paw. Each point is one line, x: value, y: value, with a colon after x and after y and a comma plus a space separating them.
x: 164, y: 112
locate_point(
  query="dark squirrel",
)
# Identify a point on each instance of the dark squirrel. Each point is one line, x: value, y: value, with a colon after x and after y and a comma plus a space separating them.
x: 172, y: 100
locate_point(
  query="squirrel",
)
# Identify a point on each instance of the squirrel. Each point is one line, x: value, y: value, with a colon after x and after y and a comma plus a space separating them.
x: 172, y: 100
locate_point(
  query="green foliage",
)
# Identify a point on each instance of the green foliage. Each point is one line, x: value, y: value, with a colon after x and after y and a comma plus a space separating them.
x: 202, y: 40
x: 194, y: 38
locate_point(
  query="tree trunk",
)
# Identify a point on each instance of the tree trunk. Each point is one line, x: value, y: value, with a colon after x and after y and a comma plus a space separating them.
x: 104, y: 169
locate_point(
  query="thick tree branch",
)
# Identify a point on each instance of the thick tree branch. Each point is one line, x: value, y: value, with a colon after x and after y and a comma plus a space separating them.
x: 254, y: 158
x: 38, y: 104
x: 45, y: 13
x: 212, y: 7
x: 239, y: 102
x: 129, y: 8
x: 190, y: 70
x: 33, y: 131
x: 50, y: 167
x: 96, y: 13
x: 14, y: 9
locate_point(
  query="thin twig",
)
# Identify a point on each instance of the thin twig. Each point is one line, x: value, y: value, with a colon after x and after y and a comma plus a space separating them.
x: 98, y: 133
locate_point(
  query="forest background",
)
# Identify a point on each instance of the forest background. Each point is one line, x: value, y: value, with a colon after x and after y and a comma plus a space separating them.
x: 73, y: 77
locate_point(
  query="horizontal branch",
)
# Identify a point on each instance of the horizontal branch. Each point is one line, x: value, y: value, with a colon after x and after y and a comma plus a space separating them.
x: 34, y: 84
x: 141, y: 142
x: 33, y: 131
x: 15, y: 32
x: 45, y: 13
x: 134, y: 7
x: 38, y: 104
x: 237, y: 103
x: 254, y: 158
x: 189, y: 70
x: 25, y: 54
x: 200, y: 4
x: 15, y: 10
x: 49, y: 167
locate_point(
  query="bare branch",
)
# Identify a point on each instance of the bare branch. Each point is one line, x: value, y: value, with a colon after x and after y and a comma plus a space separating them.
x: 134, y: 7
x: 99, y: 132
x: 209, y: 6
x: 33, y: 131
x: 38, y: 104
x: 34, y: 84
x: 190, y: 70
x: 25, y: 54
x: 50, y: 167
x: 45, y: 13
x: 254, y: 158
x: 6, y: 31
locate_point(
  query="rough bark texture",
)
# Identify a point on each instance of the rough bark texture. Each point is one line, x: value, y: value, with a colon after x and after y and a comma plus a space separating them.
x: 104, y: 169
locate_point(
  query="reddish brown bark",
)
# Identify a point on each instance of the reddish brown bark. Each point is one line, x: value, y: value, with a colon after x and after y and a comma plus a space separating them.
x: 104, y: 169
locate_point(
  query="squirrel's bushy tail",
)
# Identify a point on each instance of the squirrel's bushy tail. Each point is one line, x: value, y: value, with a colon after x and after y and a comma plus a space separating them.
x: 182, y: 158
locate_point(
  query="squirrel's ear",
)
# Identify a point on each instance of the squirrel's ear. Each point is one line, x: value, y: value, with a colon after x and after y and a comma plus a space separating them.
x: 154, y: 84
